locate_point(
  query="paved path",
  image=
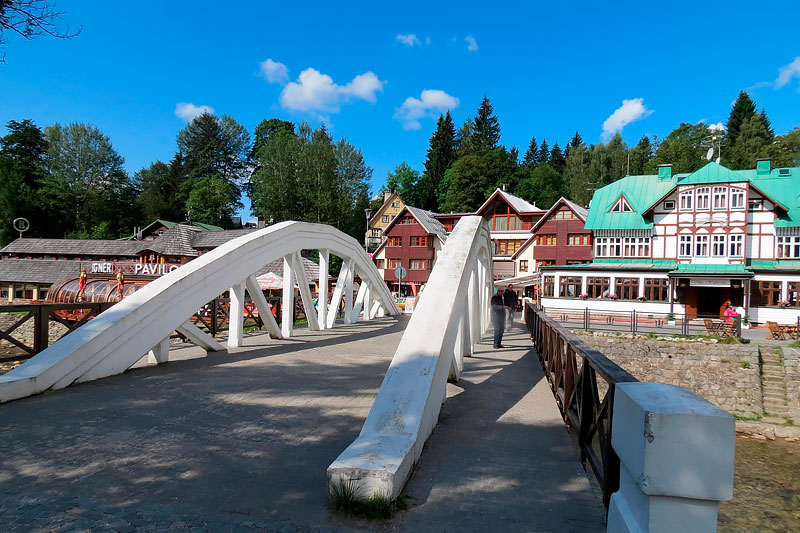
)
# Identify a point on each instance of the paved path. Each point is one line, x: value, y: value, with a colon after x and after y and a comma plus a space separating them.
x: 500, y: 458
x: 241, y: 441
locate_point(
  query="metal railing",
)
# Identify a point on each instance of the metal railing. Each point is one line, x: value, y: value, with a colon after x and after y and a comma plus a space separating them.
x: 587, y: 405
x: 635, y: 322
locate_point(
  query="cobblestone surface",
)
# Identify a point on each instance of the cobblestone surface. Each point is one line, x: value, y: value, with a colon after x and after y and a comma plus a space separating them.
x: 240, y: 441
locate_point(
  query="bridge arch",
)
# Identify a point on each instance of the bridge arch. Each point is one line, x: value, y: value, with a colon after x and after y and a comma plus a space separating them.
x: 142, y: 322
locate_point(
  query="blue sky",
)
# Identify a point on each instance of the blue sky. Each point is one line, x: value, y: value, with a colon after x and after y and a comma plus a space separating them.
x: 362, y: 68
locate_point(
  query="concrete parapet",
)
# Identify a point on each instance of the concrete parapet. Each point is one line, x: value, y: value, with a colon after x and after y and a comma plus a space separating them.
x: 677, y: 456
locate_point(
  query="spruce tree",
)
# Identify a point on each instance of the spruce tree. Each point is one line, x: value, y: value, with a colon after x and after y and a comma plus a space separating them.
x: 640, y: 156
x: 743, y: 108
x: 486, y: 126
x: 544, y: 153
x: 557, y: 159
x: 441, y: 155
x: 530, y: 156
x: 575, y: 141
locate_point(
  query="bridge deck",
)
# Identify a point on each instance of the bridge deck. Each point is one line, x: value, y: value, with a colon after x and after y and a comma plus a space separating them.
x: 243, y: 440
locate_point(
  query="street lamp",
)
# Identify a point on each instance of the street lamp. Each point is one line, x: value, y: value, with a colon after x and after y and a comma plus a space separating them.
x: 367, y: 212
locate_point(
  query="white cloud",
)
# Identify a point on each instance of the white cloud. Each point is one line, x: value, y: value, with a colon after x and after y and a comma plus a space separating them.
x: 719, y: 126
x: 274, y: 72
x: 430, y: 103
x: 317, y: 92
x: 188, y: 111
x: 408, y: 40
x: 630, y: 111
x: 787, y: 72
x: 472, y: 44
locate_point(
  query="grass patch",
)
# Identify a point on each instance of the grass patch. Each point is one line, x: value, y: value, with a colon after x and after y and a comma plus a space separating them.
x: 795, y: 344
x: 745, y: 364
x: 651, y: 335
x: 747, y: 418
x: 345, y: 501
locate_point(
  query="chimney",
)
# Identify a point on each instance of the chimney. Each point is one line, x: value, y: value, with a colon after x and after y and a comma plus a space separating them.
x: 386, y: 195
x: 665, y: 171
x: 260, y: 223
x: 763, y: 167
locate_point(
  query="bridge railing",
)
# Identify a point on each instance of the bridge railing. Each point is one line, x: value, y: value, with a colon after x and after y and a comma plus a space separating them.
x: 451, y: 315
x: 583, y: 382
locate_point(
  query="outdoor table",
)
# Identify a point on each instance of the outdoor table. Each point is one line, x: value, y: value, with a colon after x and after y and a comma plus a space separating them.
x: 790, y: 330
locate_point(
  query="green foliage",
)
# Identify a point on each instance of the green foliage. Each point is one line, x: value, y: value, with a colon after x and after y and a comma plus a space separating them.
x: 466, y: 185
x: 344, y: 500
x: 162, y: 193
x: 743, y: 108
x: 745, y: 364
x: 784, y: 151
x: 22, y: 172
x: 532, y: 154
x: 213, y: 201
x: 85, y: 183
x: 557, y: 159
x: 308, y: 177
x: 543, y: 185
x: 578, y: 179
x: 441, y: 155
x: 640, y: 156
x: 486, y: 126
x: 265, y: 130
x: 544, y: 153
x: 405, y: 181
x: 754, y: 137
x: 214, y: 148
x: 683, y: 148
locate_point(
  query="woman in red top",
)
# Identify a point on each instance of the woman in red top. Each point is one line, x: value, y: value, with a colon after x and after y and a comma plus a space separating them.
x: 730, y: 313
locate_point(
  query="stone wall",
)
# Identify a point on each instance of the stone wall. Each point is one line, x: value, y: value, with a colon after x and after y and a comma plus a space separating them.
x: 791, y: 368
x: 725, y: 374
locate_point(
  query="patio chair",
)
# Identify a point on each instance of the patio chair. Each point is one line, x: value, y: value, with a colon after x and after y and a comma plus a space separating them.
x: 711, y: 328
x: 775, y: 331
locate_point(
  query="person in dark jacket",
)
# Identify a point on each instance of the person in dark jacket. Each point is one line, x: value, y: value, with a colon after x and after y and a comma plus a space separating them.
x: 510, y: 301
x: 498, y: 318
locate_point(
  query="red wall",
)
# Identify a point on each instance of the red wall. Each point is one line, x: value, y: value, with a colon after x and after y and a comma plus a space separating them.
x: 406, y: 252
x: 562, y: 252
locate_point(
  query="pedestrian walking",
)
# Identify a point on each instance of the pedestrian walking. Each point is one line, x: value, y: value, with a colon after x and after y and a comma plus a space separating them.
x: 510, y: 302
x: 498, y: 318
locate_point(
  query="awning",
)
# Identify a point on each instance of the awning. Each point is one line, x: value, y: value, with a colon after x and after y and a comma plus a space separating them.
x: 728, y: 271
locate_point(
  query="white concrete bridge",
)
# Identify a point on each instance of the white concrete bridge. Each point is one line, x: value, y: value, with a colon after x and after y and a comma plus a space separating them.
x: 145, y: 412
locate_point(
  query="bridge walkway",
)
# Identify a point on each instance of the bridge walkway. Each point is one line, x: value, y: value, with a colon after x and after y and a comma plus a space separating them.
x: 241, y: 440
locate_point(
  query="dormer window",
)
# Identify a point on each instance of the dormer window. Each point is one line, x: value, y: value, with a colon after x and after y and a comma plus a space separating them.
x: 622, y: 206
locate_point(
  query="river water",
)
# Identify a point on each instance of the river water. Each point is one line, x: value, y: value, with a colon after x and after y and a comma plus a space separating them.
x: 766, y: 488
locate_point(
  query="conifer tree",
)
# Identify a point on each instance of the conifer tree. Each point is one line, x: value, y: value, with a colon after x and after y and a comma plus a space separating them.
x: 575, y: 141
x: 544, y: 153
x: 743, y: 108
x: 441, y: 155
x: 486, y: 126
x: 640, y: 155
x: 557, y: 159
x: 530, y: 156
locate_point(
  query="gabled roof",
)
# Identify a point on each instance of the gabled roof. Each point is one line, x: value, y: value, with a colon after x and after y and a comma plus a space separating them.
x: 79, y: 247
x: 581, y: 212
x: 425, y: 218
x: 38, y: 270
x: 169, y: 225
x: 176, y: 241
x: 208, y: 239
x: 518, y: 204
x: 384, y: 205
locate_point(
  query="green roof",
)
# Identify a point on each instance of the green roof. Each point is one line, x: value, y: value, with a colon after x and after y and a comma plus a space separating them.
x: 642, y: 192
x: 700, y: 270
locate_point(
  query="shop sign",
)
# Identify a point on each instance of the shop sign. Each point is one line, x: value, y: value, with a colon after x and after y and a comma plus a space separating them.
x: 709, y: 282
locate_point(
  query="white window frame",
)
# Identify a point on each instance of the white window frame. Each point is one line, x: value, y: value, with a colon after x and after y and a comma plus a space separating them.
x: 741, y: 195
x: 684, y: 246
x: 669, y: 205
x: 788, y: 248
x: 736, y: 245
x: 385, y: 218
x: 703, y: 195
x: 686, y: 201
x: 718, y: 245
x: 720, y: 198
x: 701, y: 245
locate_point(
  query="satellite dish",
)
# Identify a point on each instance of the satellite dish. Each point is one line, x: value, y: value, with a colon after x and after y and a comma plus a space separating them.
x: 718, y: 160
x: 710, y: 154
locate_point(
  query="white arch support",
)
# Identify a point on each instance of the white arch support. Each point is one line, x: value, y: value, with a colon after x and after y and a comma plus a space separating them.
x: 444, y: 327
x: 119, y: 337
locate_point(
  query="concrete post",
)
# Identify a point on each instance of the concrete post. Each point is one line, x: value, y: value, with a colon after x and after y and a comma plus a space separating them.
x: 474, y: 309
x: 236, y: 316
x: 322, y: 299
x: 466, y: 330
x: 367, y: 306
x: 348, y: 293
x: 160, y: 352
x: 676, y: 451
x: 287, y: 315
